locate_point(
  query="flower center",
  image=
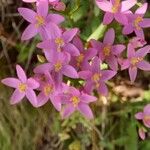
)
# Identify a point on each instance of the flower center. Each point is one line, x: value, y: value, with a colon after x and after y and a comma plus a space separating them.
x: 58, y: 66
x: 48, y: 89
x: 107, y: 50
x: 137, y: 21
x: 96, y: 77
x: 135, y: 60
x: 40, y: 21
x: 116, y: 6
x: 22, y: 87
x: 75, y: 101
x: 60, y: 43
x: 79, y: 59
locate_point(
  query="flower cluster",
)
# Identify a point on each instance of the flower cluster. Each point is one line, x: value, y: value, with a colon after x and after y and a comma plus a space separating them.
x: 66, y: 56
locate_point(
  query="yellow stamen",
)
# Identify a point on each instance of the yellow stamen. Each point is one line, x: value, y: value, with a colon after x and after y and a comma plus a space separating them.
x: 58, y: 66
x: 96, y: 77
x: 116, y: 6
x: 79, y: 59
x: 22, y: 87
x: 48, y: 89
x: 137, y: 21
x: 60, y: 43
x: 40, y: 21
x: 75, y: 101
x: 107, y: 50
x: 136, y: 60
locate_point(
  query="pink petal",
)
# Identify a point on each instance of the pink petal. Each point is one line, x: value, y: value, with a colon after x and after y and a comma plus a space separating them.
x: 108, y: 18
x: 29, y: 32
x: 33, y: 84
x: 60, y: 6
x: 121, y: 18
x: 55, y: 18
x: 130, y: 51
x: 144, y: 65
x: 91, y: 52
x: 127, y: 29
x: 103, y: 89
x: 70, y: 48
x: 42, y: 8
x: 69, y: 34
x: 142, y: 10
x: 139, y: 115
x: 124, y: 64
x: 85, y: 98
x: 85, y: 74
x: 88, y: 88
x: 95, y: 67
x: 56, y: 102
x: 85, y: 110
x: 141, y: 133
x: 27, y: 14
x: 142, y: 52
x: 107, y: 74
x: 96, y: 44
x: 29, y: 1
x: 132, y: 73
x: 127, y: 4
x: 42, y: 99
x: 104, y: 5
x: 11, y: 82
x: 43, y: 68
x: 109, y: 37
x: 145, y: 23
x: 112, y: 62
x: 17, y: 97
x: 30, y: 94
x: 47, y: 44
x: 68, y: 110
x: 78, y: 43
x: 147, y: 109
x: 69, y: 71
x: 21, y: 74
x: 118, y: 49
x: 140, y: 33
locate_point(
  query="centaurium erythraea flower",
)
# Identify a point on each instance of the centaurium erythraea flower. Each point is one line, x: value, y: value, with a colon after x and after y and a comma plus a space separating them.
x: 96, y: 78
x: 40, y: 22
x: 135, y: 60
x: 136, y: 22
x: 74, y: 100
x: 23, y: 87
x: 115, y: 9
x: 108, y: 51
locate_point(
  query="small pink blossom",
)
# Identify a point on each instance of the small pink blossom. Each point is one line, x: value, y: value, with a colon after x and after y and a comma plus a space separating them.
x: 142, y: 133
x: 23, y: 87
x: 74, y: 100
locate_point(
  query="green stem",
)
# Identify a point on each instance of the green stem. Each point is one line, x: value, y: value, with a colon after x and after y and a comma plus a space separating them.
x: 98, y: 33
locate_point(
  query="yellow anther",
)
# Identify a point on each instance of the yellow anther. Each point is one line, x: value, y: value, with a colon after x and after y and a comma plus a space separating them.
x: 58, y: 66
x: 48, y: 89
x: 75, y: 101
x: 96, y: 77
x: 136, y: 60
x: 40, y: 21
x: 22, y: 87
x: 137, y: 21
x: 107, y: 50
x: 116, y: 6
x: 79, y: 59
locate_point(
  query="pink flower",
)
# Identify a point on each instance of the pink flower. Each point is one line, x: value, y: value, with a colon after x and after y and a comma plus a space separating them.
x: 136, y: 60
x: 23, y: 87
x: 61, y: 43
x: 115, y: 9
x: 76, y: 100
x: 40, y: 22
x: 49, y: 91
x: 107, y: 51
x: 144, y: 115
x: 81, y: 61
x: 96, y: 78
x: 137, y: 22
x: 137, y: 42
x: 141, y: 133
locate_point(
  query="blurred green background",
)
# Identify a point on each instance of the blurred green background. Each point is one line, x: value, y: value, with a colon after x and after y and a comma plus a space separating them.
x: 23, y: 127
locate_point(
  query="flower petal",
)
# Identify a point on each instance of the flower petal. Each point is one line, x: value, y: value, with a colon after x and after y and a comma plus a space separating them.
x: 142, y: 52
x: 118, y: 49
x: 127, y: 4
x: 130, y: 51
x: 42, y: 99
x: 95, y: 67
x: 88, y: 88
x: 56, y: 101
x: 109, y: 37
x: 107, y: 74
x: 85, y: 74
x: 127, y: 29
x: 42, y: 8
x: 43, y: 68
x: 85, y: 98
x: 132, y: 73
x: 140, y: 33
x: 121, y: 18
x: 11, y: 82
x: 104, y: 5
x: 29, y: 32
x: 16, y: 97
x: 33, y: 84
x: 78, y: 43
x: 144, y: 65
x: 142, y: 10
x: 112, y: 62
x: 68, y: 110
x: 55, y: 18
x: 145, y: 23
x: 30, y: 94
x: 21, y: 74
x: 139, y: 115
x: 85, y: 110
x: 103, y: 89
x: 69, y: 71
x: 27, y: 14
x: 108, y: 18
